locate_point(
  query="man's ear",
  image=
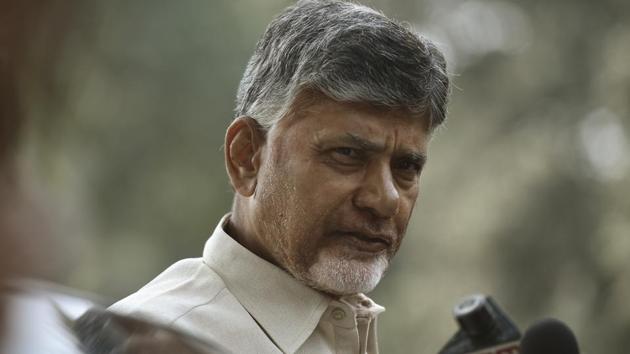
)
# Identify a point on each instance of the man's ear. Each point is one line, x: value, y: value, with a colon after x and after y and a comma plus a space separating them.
x: 244, y: 141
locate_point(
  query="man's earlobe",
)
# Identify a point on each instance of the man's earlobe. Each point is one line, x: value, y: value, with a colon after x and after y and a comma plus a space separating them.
x: 244, y: 141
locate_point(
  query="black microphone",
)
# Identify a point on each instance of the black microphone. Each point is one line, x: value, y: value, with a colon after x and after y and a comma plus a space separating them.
x: 484, y: 328
x: 549, y: 336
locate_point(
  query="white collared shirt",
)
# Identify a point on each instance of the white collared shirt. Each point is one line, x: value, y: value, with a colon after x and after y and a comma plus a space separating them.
x: 232, y: 297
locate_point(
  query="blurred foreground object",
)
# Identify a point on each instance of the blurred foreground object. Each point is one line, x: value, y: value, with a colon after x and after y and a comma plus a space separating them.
x: 20, y: 23
x: 38, y: 317
x: 46, y: 318
x: 484, y: 328
x: 34, y: 319
x: 549, y: 336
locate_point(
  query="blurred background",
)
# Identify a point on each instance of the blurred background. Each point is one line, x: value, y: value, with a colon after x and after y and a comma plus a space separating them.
x: 526, y: 195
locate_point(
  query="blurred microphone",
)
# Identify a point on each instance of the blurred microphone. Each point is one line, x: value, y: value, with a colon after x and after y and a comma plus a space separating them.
x: 483, y: 329
x: 549, y: 336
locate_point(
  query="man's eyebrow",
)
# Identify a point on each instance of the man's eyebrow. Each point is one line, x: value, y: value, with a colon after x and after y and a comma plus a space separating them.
x: 355, y: 140
x: 413, y: 156
x: 362, y: 143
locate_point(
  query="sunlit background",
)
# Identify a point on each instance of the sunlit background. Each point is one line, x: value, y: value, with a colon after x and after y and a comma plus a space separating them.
x: 526, y: 195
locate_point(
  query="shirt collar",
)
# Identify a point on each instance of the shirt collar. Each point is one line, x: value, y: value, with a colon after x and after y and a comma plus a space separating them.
x: 290, y: 311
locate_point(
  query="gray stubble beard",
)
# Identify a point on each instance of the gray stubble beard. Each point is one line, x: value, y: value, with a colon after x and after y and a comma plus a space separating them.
x: 344, y: 276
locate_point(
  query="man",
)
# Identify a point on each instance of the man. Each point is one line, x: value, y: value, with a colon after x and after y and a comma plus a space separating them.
x: 334, y: 114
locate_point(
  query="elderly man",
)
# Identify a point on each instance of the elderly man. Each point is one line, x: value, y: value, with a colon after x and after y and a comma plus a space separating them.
x: 334, y: 115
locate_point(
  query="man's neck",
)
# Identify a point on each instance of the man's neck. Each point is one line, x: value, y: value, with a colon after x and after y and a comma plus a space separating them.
x: 240, y: 229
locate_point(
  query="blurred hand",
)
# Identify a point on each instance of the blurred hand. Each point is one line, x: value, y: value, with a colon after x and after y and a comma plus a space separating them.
x: 103, y: 332
x: 147, y: 338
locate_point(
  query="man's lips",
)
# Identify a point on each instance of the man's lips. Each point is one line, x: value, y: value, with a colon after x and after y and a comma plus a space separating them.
x: 372, y: 237
x: 367, y: 242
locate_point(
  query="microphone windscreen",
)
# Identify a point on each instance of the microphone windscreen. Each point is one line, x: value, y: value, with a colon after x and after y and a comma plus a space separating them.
x: 549, y: 336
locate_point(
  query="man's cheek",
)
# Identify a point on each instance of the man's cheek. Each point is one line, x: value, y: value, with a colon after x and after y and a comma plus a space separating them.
x: 407, y: 203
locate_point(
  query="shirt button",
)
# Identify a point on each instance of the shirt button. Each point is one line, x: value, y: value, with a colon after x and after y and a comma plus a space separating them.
x: 338, y: 314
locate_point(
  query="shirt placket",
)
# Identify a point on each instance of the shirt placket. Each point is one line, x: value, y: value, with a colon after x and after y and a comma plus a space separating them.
x: 363, y: 326
x: 365, y: 312
x: 344, y: 324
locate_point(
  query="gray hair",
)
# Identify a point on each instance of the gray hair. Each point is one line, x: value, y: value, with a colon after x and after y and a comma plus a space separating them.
x: 349, y: 53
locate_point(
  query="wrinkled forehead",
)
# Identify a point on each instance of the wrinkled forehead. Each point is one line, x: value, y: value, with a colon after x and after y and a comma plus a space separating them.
x: 325, y: 122
x: 311, y: 102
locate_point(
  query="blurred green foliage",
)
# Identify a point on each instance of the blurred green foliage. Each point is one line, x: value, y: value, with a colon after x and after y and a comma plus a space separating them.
x: 526, y: 195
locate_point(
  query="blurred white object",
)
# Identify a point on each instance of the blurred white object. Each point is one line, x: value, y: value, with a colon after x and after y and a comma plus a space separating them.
x: 38, y: 315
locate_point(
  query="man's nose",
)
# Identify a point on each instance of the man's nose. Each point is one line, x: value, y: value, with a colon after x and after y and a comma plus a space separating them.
x: 378, y: 192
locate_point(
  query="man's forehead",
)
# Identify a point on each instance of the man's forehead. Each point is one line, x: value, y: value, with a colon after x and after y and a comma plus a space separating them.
x: 312, y: 102
x: 318, y: 118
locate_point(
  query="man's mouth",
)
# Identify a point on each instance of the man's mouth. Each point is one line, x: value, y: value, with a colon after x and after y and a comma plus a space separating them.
x: 365, y: 242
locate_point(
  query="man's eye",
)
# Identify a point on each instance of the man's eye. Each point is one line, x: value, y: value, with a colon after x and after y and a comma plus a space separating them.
x: 346, y: 152
x: 410, y: 168
x: 346, y: 156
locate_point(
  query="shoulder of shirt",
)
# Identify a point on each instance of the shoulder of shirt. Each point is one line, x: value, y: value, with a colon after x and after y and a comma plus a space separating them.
x: 183, y: 287
x: 193, y: 298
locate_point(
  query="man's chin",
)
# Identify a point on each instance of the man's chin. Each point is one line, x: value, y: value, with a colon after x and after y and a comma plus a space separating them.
x: 345, y: 276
